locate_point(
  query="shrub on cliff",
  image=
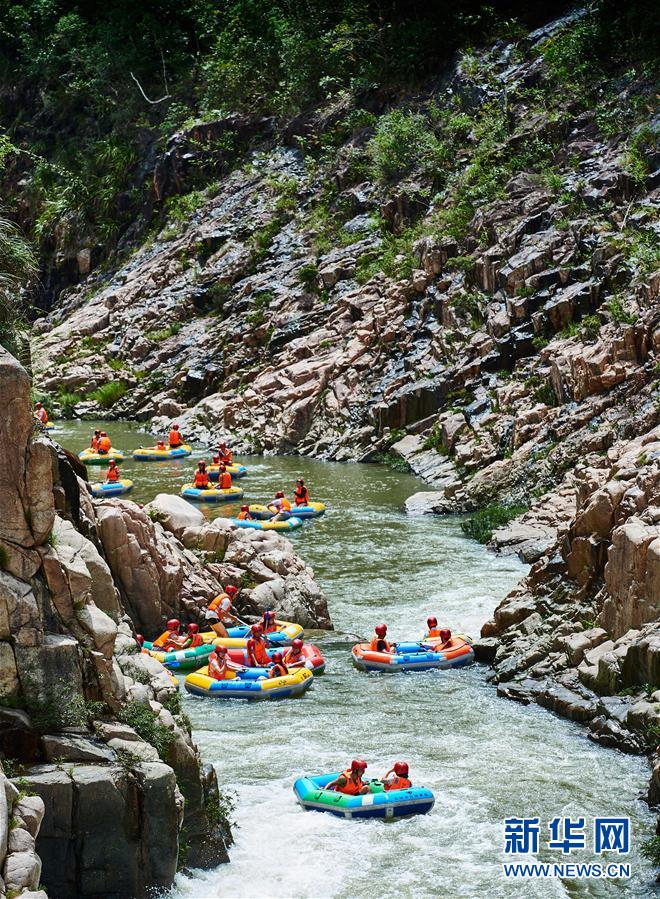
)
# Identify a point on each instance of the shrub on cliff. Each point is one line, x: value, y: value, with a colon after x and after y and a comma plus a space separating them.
x: 481, y: 525
x: 404, y: 143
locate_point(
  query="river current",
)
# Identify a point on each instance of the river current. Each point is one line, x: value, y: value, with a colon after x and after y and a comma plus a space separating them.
x: 485, y: 758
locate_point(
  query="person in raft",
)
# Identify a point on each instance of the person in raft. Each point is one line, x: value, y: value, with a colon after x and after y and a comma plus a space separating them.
x: 224, y: 478
x: 278, y: 668
x: 201, y: 479
x: 104, y: 445
x: 217, y: 664
x: 175, y: 439
x: 40, y: 413
x: 397, y: 777
x: 379, y: 643
x: 192, y: 638
x: 94, y: 443
x: 112, y: 476
x: 244, y: 514
x: 172, y: 629
x: 280, y: 507
x: 350, y: 780
x: 219, y: 613
x: 224, y: 454
x: 160, y: 446
x: 257, y: 655
x: 301, y: 493
x: 433, y: 629
x: 294, y: 654
x: 268, y: 623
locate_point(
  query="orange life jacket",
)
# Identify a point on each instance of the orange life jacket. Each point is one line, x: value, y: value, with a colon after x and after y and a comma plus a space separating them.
x: 175, y: 439
x: 378, y: 644
x: 278, y: 670
x: 256, y: 652
x: 113, y: 474
x: 104, y: 445
x: 201, y: 480
x: 224, y: 480
x: 244, y: 516
x: 95, y: 443
x: 225, y: 456
x: 197, y: 640
x: 42, y: 415
x: 301, y: 495
x: 215, y: 603
x: 433, y: 632
x: 217, y: 670
x: 269, y: 626
x: 286, y: 505
x: 162, y: 640
x: 351, y: 787
x: 398, y: 783
x: 291, y: 657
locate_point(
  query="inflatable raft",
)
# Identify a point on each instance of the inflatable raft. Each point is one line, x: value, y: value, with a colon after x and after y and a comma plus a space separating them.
x: 252, y: 684
x: 285, y: 634
x: 211, y: 494
x: 289, y: 525
x: 414, y: 656
x: 311, y: 658
x: 91, y: 457
x: 311, y: 794
x: 181, y: 659
x: 313, y: 510
x: 113, y: 489
x: 153, y: 454
x: 235, y: 470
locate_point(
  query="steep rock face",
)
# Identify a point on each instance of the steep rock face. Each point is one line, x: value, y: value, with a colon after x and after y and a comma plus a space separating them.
x: 581, y: 634
x: 64, y: 661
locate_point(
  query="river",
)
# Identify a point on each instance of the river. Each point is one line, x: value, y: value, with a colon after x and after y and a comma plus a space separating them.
x: 485, y: 758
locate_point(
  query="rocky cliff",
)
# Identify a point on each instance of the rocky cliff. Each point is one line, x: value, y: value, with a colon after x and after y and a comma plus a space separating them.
x: 112, y: 788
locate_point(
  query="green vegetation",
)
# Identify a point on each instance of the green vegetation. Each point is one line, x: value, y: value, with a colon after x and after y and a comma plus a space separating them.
x: 650, y: 849
x: 404, y: 143
x: 481, y: 525
x: 170, y: 331
x: 67, y: 402
x: 108, y: 394
x: 619, y: 313
x: 17, y: 264
x: 57, y: 706
x: 145, y: 723
x: 392, y: 460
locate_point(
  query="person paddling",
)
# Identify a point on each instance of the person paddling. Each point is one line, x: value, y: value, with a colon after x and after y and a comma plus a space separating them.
x: 350, y: 781
x: 257, y: 655
x: 172, y: 629
x: 217, y: 663
x: 294, y: 654
x: 244, y: 514
x: 105, y: 445
x: 224, y: 478
x: 280, y: 507
x: 268, y: 623
x: 112, y: 475
x: 433, y: 629
x: 225, y: 455
x: 301, y: 493
x: 201, y: 479
x: 219, y: 613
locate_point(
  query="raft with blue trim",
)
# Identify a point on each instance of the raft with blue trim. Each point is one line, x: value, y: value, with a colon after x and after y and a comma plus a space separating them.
x: 388, y: 804
x: 311, y: 658
x: 211, y: 494
x: 414, y: 656
x: 237, y: 637
x: 91, y: 457
x: 251, y: 684
x: 115, y: 488
x: 180, y: 659
x: 235, y: 470
x: 153, y: 454
x: 289, y: 525
x: 312, y: 510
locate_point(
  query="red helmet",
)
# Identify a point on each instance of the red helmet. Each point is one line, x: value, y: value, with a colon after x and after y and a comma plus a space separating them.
x: 432, y: 621
x: 445, y: 634
x: 175, y: 427
x: 381, y: 630
x: 297, y: 644
x: 231, y: 590
x: 245, y: 508
x: 358, y: 765
x: 173, y: 624
x: 221, y: 650
x: 202, y: 462
x: 277, y: 656
x: 221, y: 467
x: 279, y: 494
x: 140, y: 639
x: 37, y: 403
x: 223, y: 443
x: 268, y: 615
x: 193, y: 628
x: 257, y: 629
x: 111, y: 462
x: 103, y: 434
x: 401, y: 769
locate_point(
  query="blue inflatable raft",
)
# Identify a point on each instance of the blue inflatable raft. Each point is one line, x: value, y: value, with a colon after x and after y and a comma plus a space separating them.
x: 117, y: 488
x: 312, y: 796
